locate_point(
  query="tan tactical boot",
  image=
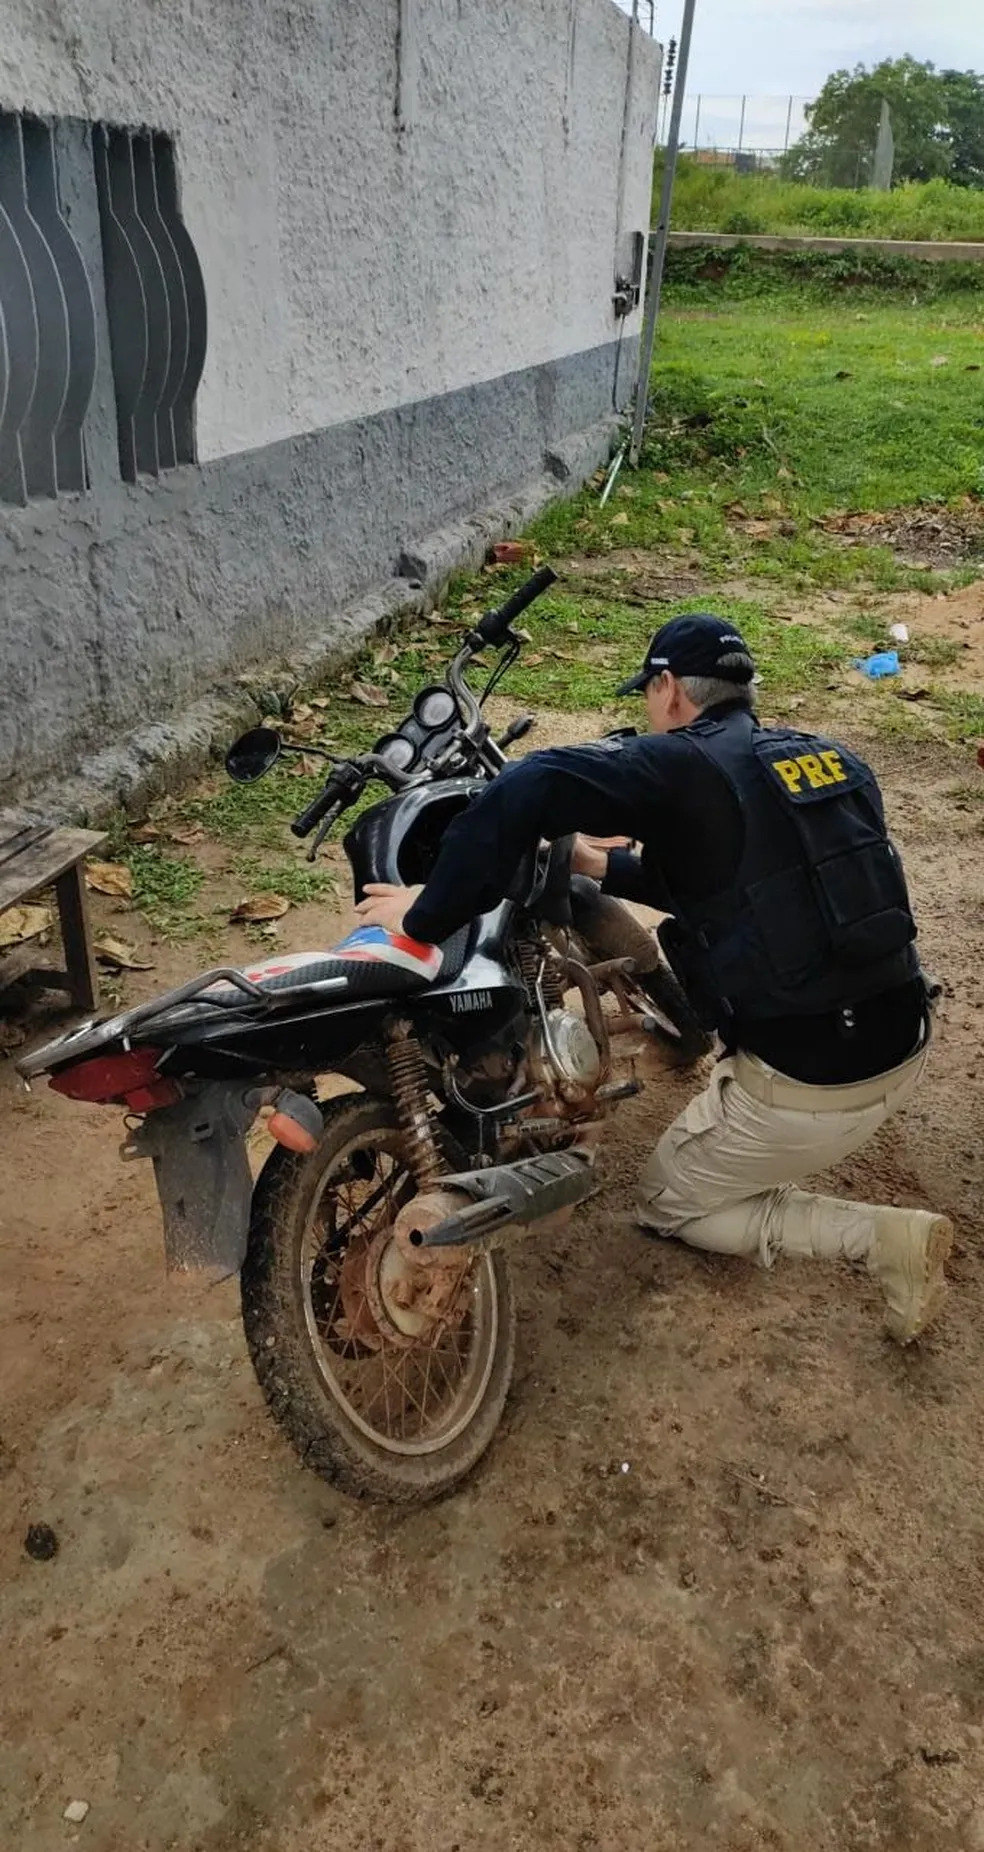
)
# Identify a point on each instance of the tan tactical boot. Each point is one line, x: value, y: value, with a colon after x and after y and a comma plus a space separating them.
x: 906, y: 1258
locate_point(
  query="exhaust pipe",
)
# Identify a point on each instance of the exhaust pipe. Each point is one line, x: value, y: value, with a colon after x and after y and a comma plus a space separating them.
x: 505, y: 1196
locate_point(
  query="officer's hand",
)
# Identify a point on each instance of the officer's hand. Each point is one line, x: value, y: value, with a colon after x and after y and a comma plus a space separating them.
x: 386, y: 905
x: 590, y: 855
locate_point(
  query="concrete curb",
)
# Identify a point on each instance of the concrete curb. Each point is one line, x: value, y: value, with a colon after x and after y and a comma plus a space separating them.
x: 925, y: 249
x: 165, y: 755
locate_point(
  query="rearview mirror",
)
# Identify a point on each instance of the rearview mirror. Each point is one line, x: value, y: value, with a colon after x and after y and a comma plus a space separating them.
x: 253, y: 754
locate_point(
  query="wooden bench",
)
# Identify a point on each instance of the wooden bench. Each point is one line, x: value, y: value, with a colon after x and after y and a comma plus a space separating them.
x: 34, y: 856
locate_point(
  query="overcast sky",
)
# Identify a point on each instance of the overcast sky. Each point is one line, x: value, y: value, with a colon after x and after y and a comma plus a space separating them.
x: 776, y: 47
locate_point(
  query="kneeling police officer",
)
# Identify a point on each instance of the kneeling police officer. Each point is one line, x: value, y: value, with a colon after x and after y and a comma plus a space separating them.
x: 791, y: 930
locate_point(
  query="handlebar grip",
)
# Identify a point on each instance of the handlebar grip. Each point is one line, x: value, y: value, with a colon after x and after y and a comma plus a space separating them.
x: 493, y: 626
x: 318, y: 809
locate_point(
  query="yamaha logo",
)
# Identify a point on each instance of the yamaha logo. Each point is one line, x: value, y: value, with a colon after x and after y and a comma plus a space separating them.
x: 464, y: 1002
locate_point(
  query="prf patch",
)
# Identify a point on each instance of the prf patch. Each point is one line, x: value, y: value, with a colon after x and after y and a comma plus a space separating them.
x: 810, y: 771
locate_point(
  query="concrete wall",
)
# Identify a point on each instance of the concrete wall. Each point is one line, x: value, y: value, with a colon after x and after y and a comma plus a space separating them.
x: 409, y: 215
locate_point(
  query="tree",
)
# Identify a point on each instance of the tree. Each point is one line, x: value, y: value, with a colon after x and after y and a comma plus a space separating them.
x: 965, y: 93
x: 937, y: 122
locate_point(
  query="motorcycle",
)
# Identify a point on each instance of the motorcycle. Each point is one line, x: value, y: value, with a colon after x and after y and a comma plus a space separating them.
x: 428, y: 1105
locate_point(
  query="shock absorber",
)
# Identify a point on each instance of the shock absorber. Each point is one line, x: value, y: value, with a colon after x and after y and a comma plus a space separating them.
x: 408, y: 1080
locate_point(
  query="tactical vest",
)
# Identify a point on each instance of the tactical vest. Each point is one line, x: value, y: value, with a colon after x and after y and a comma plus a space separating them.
x: 816, y: 916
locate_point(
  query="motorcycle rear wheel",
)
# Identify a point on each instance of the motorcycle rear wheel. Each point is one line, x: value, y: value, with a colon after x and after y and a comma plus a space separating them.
x: 401, y: 1419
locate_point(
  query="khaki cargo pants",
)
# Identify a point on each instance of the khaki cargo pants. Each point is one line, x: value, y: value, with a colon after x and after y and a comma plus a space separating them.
x: 723, y: 1175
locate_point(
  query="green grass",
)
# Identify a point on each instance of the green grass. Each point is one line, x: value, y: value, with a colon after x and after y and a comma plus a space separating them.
x: 297, y: 881
x: 781, y: 410
x: 719, y: 199
x: 751, y: 425
x: 163, y: 888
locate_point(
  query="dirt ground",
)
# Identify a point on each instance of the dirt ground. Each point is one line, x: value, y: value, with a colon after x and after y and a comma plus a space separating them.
x: 719, y: 1582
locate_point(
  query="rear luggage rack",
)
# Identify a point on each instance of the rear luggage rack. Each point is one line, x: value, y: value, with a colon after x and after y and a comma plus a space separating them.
x: 93, y: 1034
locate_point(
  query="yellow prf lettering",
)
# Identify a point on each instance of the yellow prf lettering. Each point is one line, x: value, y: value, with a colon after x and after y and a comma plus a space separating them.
x: 815, y: 773
x: 835, y: 766
x: 790, y: 773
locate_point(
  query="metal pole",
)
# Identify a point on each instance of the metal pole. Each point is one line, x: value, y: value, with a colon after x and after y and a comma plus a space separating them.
x: 789, y: 124
x: 697, y: 125
x: 662, y: 232
x: 741, y: 125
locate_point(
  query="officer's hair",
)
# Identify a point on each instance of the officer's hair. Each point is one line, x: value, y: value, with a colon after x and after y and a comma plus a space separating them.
x: 708, y: 690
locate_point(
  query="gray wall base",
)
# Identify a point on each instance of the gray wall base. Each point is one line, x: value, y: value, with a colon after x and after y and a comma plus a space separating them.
x: 125, y: 606
x: 152, y: 760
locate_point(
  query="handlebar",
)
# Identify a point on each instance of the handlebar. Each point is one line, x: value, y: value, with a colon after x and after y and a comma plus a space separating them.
x: 492, y: 628
x: 349, y: 778
x: 341, y: 787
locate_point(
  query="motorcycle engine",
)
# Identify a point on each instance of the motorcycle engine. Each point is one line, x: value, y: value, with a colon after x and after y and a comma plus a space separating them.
x: 565, y: 1056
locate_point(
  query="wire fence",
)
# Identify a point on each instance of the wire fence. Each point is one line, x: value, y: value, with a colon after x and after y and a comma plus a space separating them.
x: 739, y: 131
x: 642, y: 11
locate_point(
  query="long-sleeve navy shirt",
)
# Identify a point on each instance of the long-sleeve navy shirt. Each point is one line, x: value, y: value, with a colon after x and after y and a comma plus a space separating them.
x: 658, y: 789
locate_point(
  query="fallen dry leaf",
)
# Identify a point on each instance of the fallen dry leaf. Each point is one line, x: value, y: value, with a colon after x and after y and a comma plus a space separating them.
x: 112, y: 878
x: 621, y: 519
x: 940, y: 360
x: 188, y: 835
x: 368, y: 695
x: 302, y: 724
x: 20, y: 923
x: 760, y: 530
x: 146, y: 832
x: 387, y: 652
x: 321, y: 700
x: 122, y: 957
x: 256, y: 909
x: 304, y: 767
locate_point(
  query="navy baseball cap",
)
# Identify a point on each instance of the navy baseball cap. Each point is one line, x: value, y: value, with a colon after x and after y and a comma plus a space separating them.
x: 698, y: 645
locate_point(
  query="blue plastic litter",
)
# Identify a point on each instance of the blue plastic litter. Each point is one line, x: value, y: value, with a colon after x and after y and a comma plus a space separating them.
x: 884, y: 662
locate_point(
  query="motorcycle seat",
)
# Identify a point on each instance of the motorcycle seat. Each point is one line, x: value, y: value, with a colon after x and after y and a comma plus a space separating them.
x: 374, y: 963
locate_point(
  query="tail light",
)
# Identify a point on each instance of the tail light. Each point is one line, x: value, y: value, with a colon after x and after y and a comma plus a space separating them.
x: 130, y: 1080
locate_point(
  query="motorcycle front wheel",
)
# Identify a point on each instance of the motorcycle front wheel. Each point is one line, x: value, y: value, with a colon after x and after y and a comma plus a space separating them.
x: 381, y: 1400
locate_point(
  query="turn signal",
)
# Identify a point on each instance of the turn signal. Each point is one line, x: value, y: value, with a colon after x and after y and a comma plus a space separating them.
x: 297, y: 1123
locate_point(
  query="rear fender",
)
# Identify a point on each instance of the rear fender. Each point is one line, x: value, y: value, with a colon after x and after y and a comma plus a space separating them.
x: 202, y: 1173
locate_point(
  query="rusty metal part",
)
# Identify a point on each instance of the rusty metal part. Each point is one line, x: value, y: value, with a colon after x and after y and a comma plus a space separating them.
x: 618, y: 1090
x: 409, y: 1084
x: 358, y: 1321
x: 611, y: 968
x: 529, y: 958
x: 422, y: 1213
x: 542, y: 972
x: 594, y: 1015
x: 394, y: 1297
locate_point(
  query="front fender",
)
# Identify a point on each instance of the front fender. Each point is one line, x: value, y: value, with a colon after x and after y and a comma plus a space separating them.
x: 203, y: 1177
